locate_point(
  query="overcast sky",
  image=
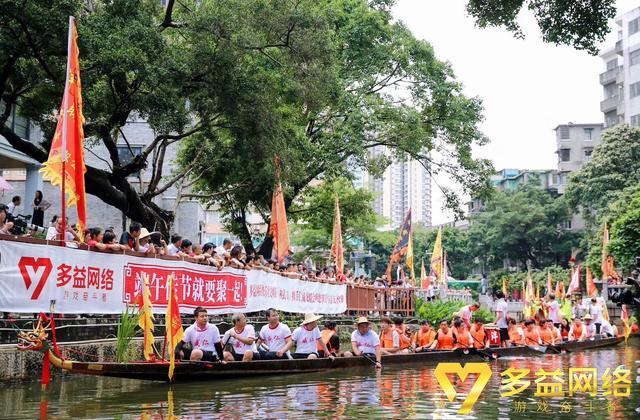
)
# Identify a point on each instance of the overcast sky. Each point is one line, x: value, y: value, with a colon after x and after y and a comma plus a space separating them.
x: 527, y: 87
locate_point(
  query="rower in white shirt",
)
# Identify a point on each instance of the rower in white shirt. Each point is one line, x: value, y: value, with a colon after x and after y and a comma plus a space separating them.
x: 365, y: 342
x: 588, y: 329
x: 276, y: 336
x: 307, y: 337
x: 242, y: 339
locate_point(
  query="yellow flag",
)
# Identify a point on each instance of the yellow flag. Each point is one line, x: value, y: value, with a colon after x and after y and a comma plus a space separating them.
x: 505, y: 288
x: 436, y: 258
x: 337, y: 251
x: 424, y: 279
x: 145, y: 318
x: 410, y: 257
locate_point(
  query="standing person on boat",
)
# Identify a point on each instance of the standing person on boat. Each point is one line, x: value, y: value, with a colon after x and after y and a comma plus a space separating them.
x: 365, y: 342
x: 596, y: 313
x: 501, y: 319
x: 201, y: 340
x: 531, y: 334
x: 588, y: 329
x: 444, y: 338
x: 467, y: 311
x: 516, y: 333
x: 307, y: 338
x: 242, y: 339
x: 553, y: 308
x: 461, y: 335
x: 389, y: 337
x: 331, y: 339
x: 575, y: 332
x: 479, y: 336
x: 423, y: 338
x: 276, y: 335
x: 405, y: 334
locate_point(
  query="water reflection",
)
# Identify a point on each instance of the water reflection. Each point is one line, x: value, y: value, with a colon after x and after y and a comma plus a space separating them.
x: 396, y: 392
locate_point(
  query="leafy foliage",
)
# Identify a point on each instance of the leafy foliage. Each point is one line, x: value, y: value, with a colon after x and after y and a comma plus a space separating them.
x: 525, y: 226
x: 437, y: 310
x: 580, y: 24
x: 126, y: 331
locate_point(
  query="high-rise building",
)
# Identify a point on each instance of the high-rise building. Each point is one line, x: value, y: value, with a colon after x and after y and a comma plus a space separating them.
x: 620, y: 79
x: 405, y: 184
x: 574, y: 145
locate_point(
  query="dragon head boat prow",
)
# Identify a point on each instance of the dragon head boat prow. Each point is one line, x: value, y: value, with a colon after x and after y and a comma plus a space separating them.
x: 35, y: 340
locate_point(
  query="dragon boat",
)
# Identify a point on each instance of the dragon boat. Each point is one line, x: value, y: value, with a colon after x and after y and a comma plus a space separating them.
x: 36, y: 340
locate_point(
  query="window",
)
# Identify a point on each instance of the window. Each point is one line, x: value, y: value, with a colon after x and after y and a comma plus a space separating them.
x: 588, y: 134
x: 634, y: 90
x: 587, y: 154
x: 634, y: 26
x: 564, y: 132
x: 554, y: 179
x: 610, y: 91
x: 635, y: 120
x: 634, y: 57
x: 126, y: 156
x: 16, y: 122
x: 612, y: 64
x: 565, y: 155
x: 566, y: 225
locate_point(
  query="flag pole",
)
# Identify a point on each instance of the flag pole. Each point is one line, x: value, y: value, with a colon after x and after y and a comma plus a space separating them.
x: 65, y: 122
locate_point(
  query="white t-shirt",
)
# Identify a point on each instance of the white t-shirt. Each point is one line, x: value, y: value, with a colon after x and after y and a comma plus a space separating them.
x: 11, y: 207
x: 220, y: 251
x: 172, y: 249
x: 606, y: 328
x: 596, y: 313
x: 554, y: 307
x: 276, y: 338
x: 366, y: 343
x: 203, y: 339
x: 503, y: 308
x: 52, y: 234
x: 588, y: 331
x: 465, y: 313
x: 238, y: 346
x: 306, y: 341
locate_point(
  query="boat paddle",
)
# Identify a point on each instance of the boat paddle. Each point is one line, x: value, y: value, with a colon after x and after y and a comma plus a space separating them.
x: 370, y: 359
x: 482, y: 352
x: 541, y: 349
x: 551, y: 347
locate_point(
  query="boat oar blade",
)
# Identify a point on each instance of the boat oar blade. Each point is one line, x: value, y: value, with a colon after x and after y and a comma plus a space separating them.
x: 540, y: 349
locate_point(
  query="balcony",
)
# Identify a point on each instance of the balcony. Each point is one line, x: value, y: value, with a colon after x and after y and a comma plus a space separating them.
x: 609, y: 104
x: 618, y: 48
x: 610, y: 76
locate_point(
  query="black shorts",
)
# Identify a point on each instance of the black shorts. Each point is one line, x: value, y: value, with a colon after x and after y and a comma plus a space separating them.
x: 238, y: 357
x: 504, y: 334
x: 598, y: 327
x: 303, y: 355
x: 209, y: 356
x: 271, y: 355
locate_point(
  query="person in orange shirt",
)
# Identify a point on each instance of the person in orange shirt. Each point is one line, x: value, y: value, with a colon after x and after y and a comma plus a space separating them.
x: 546, y: 333
x: 516, y: 334
x: 461, y: 335
x: 575, y: 332
x: 531, y: 334
x: 557, y: 337
x: 389, y: 337
x: 423, y: 338
x: 444, y: 338
x: 404, y: 333
x: 480, y: 338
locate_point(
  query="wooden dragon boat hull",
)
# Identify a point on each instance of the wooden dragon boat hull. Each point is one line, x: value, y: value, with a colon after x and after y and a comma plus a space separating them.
x: 185, y: 371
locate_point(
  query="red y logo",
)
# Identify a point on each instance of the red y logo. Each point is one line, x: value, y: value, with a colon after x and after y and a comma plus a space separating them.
x: 35, y: 269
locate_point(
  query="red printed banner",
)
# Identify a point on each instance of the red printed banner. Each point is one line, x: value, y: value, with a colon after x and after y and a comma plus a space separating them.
x: 193, y: 287
x: 85, y: 282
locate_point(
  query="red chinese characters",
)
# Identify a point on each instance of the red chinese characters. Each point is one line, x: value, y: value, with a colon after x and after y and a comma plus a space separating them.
x: 211, y: 290
x: 87, y: 278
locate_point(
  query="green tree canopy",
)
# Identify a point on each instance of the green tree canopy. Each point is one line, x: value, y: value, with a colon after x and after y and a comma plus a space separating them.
x: 523, y: 225
x: 580, y: 24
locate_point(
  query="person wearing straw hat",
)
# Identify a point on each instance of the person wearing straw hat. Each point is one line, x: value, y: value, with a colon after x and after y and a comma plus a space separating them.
x: 588, y: 329
x: 307, y: 338
x: 366, y: 342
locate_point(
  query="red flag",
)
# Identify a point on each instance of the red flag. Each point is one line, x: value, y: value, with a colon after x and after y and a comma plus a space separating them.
x: 67, y: 147
x: 337, y: 251
x: 279, y: 228
x: 173, y: 326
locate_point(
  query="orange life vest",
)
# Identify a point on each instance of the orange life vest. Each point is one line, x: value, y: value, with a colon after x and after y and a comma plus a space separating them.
x: 479, y: 337
x: 546, y: 335
x: 325, y: 336
x: 463, y: 339
x: 515, y: 337
x: 423, y: 339
x: 386, y: 339
x: 445, y: 341
x: 531, y: 337
x: 405, y: 342
x: 577, y: 331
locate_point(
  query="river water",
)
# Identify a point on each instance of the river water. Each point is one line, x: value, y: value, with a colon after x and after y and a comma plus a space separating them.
x: 394, y: 392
